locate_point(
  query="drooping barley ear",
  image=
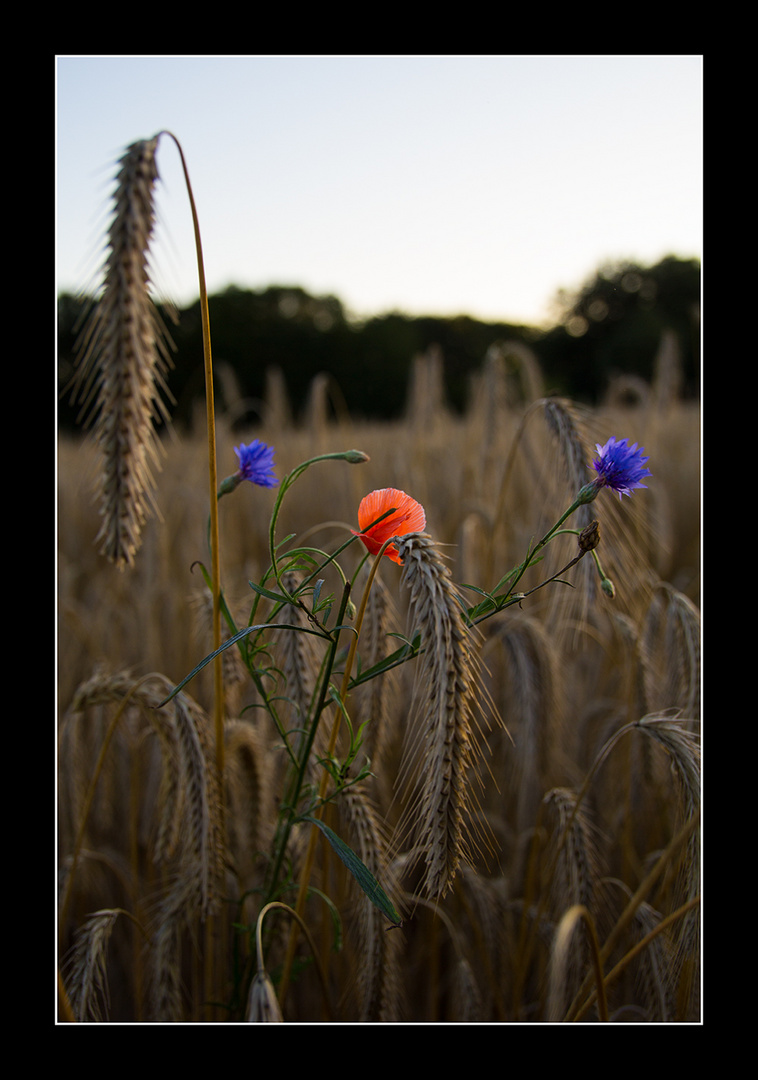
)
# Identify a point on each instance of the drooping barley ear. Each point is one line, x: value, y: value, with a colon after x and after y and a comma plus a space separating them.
x: 86, y: 976
x: 377, y: 697
x: 426, y: 392
x: 575, y: 851
x: 277, y: 412
x: 250, y: 781
x: 468, y: 1006
x: 189, y: 829
x: 683, y: 749
x: 481, y: 897
x: 560, y: 475
x: 655, y: 967
x: 574, y: 865
x: 123, y: 358
x: 195, y: 873
x: 524, y: 382
x: 527, y: 672
x: 378, y: 951
x: 262, y: 1003
x: 490, y: 398
x: 165, y: 988
x: 667, y: 372
x: 563, y: 423
x: 299, y: 663
x: 441, y: 819
x: 575, y: 928
x: 670, y: 641
x: 317, y: 408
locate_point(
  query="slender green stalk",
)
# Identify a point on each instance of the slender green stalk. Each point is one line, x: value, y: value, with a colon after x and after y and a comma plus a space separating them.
x: 294, y: 794
x: 310, y: 854
x: 545, y: 540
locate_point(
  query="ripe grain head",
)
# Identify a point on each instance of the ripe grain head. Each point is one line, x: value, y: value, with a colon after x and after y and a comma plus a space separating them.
x: 442, y: 818
x: 123, y: 358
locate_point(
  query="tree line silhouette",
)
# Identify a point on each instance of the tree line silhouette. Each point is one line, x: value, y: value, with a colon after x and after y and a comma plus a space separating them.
x: 612, y: 326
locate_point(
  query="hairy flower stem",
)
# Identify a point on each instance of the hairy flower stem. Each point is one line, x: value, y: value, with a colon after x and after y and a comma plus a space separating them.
x: 354, y: 457
x: 545, y: 540
x: 295, y: 795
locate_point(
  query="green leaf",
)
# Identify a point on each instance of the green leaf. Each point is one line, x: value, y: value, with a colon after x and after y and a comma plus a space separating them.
x: 405, y: 652
x: 281, y: 598
x: 360, y: 872
x: 227, y: 644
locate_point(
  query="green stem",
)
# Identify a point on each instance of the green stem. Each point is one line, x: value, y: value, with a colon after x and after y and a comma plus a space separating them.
x: 310, y: 854
x: 292, y: 797
x: 543, y: 542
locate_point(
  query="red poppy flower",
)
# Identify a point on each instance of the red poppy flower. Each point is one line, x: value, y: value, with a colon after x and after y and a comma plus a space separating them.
x: 408, y: 517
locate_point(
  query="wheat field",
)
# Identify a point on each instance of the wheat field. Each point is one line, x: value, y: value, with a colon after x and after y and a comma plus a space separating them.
x: 315, y: 766
x: 565, y: 672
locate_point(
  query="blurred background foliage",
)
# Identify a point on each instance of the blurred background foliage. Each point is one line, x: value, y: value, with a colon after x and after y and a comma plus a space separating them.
x: 612, y: 329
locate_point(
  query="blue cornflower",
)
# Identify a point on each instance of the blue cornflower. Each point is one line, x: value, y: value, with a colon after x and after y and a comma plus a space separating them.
x: 256, y: 463
x: 620, y: 466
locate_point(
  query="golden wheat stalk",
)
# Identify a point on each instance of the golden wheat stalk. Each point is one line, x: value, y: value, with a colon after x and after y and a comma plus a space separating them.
x: 444, y: 744
x: 123, y: 357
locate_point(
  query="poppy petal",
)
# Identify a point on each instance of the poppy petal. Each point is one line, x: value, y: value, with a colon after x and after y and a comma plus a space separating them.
x: 408, y: 517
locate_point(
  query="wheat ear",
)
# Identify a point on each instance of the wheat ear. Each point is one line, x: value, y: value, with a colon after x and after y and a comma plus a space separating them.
x: 439, y: 757
x: 87, y: 977
x: 683, y: 749
x: 123, y: 357
x: 671, y: 645
x: 189, y: 829
x: 379, y: 981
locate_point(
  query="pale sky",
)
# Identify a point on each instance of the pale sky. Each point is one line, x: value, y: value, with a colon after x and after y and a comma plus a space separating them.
x: 434, y: 185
